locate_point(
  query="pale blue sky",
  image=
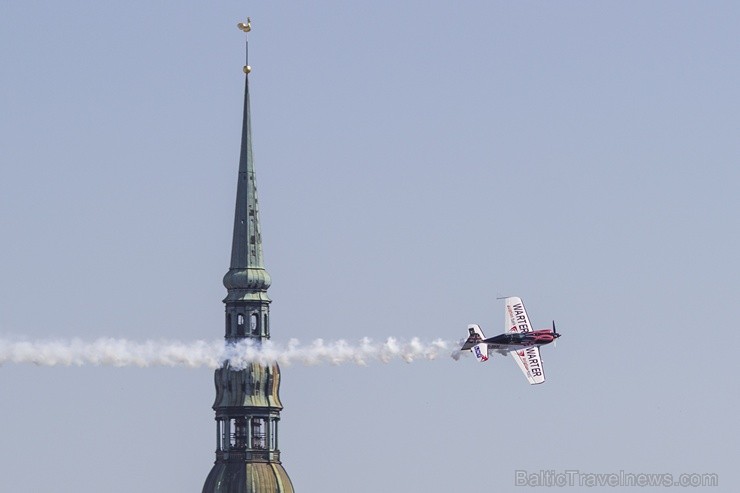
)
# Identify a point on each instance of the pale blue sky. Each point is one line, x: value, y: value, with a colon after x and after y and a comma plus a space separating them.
x: 414, y: 161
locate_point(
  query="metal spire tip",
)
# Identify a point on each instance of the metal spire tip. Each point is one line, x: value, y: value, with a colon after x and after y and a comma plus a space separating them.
x: 246, y: 28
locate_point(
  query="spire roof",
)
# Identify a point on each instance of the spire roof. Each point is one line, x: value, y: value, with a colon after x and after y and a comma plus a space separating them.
x: 247, y: 279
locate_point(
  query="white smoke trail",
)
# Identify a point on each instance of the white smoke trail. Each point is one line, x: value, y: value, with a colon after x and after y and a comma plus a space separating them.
x: 121, y: 352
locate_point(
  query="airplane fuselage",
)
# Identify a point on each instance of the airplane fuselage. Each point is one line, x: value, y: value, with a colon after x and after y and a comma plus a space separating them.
x: 518, y: 340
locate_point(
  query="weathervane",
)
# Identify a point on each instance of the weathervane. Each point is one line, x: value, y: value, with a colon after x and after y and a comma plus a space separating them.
x: 246, y: 28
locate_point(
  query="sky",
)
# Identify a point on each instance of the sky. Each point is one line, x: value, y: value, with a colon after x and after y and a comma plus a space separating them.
x: 414, y: 160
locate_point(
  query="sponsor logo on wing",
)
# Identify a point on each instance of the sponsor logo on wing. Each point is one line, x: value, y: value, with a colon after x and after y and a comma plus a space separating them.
x: 520, y: 317
x: 533, y: 362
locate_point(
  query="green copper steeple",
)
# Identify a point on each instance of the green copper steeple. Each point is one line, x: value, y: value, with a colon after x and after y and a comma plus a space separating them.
x: 247, y: 403
x: 247, y: 278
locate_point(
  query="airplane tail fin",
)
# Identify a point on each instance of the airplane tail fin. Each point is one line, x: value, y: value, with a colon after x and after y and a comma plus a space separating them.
x: 475, y: 335
x: 474, y: 344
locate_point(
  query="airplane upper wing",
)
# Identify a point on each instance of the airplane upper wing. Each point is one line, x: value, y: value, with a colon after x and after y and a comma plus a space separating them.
x: 528, y: 359
x: 530, y: 363
x: 517, y: 319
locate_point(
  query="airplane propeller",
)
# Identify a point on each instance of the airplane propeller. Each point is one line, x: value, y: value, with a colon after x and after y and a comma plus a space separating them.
x: 555, y: 334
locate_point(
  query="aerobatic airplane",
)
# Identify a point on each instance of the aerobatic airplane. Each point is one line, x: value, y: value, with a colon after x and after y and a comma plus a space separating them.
x: 520, y: 340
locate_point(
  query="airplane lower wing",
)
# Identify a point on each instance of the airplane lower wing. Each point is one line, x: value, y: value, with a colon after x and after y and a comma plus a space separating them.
x: 530, y: 363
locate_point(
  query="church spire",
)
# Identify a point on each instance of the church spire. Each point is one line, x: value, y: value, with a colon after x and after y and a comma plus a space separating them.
x: 247, y: 403
x: 247, y: 278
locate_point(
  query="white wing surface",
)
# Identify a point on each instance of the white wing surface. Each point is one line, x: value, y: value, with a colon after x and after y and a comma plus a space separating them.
x: 517, y: 319
x: 530, y: 363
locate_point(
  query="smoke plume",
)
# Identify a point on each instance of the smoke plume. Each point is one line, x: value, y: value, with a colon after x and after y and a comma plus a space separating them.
x: 121, y: 352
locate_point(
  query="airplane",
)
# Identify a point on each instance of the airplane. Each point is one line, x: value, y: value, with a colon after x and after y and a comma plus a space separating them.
x: 520, y: 340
